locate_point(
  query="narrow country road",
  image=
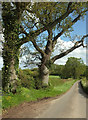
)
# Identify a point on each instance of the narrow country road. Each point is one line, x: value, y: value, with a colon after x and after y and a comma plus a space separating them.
x: 70, y: 105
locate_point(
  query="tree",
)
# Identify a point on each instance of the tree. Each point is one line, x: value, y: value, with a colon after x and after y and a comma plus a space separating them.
x: 59, y: 17
x: 24, y: 22
x: 56, y: 69
x: 11, y: 15
x: 74, y: 67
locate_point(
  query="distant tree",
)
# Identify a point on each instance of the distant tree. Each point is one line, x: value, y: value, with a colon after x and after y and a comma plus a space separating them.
x: 74, y: 67
x: 56, y: 69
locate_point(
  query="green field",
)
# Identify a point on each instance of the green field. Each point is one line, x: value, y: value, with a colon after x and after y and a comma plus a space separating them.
x: 57, y: 87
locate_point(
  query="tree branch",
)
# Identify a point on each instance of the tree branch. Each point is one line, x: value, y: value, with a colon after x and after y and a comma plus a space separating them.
x: 50, y: 25
x: 64, y: 53
x: 76, y: 45
x: 48, y: 48
x: 31, y: 35
x: 67, y: 27
x: 20, y: 7
x: 62, y: 17
x: 23, y: 30
x: 37, y: 48
x: 69, y: 5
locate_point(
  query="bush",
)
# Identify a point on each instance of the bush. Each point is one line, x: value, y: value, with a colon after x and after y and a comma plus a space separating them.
x: 0, y: 78
x: 84, y: 83
x: 28, y: 78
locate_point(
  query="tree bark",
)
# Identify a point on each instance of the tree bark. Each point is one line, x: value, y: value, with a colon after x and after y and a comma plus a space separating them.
x: 45, y: 62
x: 10, y: 70
x: 44, y: 75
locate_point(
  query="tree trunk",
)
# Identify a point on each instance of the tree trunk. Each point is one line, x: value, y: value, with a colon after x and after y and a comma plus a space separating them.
x: 11, y: 23
x: 10, y: 70
x: 44, y: 71
x: 44, y: 75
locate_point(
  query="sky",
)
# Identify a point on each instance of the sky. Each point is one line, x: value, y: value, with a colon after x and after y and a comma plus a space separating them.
x: 79, y: 29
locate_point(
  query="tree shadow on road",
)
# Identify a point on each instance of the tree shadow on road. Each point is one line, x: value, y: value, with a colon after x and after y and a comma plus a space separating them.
x: 81, y: 91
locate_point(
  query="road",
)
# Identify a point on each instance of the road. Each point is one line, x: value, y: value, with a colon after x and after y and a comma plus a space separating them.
x: 70, y: 105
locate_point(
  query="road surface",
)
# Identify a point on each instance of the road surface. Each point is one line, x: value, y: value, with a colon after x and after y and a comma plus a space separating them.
x: 70, y: 105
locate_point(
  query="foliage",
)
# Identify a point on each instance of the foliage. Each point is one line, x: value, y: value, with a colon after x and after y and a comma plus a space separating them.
x: 53, y: 19
x: 28, y: 78
x: 10, y: 48
x: 0, y: 78
x: 74, y: 68
x: 56, y: 69
x: 84, y: 83
x: 25, y: 94
x: 86, y: 72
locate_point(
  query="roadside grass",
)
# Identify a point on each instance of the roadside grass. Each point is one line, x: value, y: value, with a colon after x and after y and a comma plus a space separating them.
x: 57, y: 87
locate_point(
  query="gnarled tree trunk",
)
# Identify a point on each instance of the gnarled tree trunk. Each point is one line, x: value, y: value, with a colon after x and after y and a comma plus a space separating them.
x: 44, y: 75
x: 45, y: 61
x: 44, y: 71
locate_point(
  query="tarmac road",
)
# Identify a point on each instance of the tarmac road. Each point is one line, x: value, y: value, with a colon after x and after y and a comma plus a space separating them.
x: 70, y: 105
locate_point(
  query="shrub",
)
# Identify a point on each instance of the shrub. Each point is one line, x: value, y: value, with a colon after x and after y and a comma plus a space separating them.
x: 25, y: 78
x: 84, y: 83
x: 28, y: 78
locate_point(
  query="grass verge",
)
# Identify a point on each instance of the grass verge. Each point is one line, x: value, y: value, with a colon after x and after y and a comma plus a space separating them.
x: 57, y: 87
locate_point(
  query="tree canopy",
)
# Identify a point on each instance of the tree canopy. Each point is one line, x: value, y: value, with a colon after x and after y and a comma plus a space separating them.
x: 53, y: 19
x: 74, y: 68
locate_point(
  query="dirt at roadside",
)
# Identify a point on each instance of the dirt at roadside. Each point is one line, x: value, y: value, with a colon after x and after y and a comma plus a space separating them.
x: 28, y: 109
